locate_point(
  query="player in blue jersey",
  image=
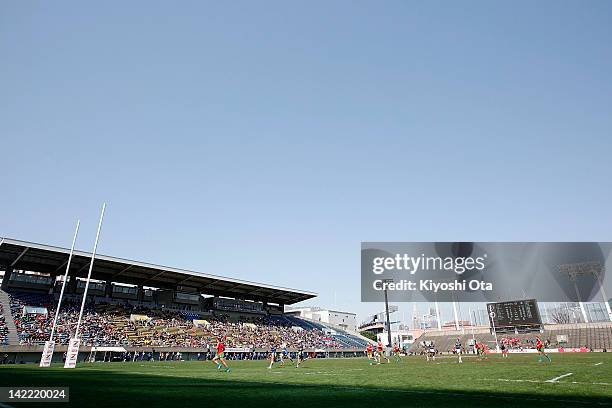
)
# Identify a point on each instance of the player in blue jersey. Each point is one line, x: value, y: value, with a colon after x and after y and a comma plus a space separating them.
x: 285, y: 355
x: 458, y: 349
x: 300, y: 355
x: 430, y: 351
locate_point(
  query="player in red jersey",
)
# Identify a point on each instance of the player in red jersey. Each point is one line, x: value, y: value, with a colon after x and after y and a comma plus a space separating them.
x: 481, y: 351
x: 541, y: 352
x: 380, y: 352
x: 219, y: 359
x: 396, y: 353
x: 370, y: 353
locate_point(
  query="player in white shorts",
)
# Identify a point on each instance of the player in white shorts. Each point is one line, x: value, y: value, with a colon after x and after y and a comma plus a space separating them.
x: 431, y: 352
x: 458, y: 349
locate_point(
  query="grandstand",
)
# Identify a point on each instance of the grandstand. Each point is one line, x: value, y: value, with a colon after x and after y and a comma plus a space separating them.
x: 107, y: 324
x: 3, y: 329
x: 143, y: 307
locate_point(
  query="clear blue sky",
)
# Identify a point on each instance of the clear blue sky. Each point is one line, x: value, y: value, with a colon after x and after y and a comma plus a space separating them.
x: 266, y: 140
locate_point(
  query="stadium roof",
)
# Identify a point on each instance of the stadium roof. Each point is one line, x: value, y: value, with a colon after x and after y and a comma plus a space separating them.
x: 49, y: 259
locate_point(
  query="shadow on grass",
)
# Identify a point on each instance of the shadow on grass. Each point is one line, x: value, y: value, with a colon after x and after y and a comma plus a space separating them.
x: 117, y: 389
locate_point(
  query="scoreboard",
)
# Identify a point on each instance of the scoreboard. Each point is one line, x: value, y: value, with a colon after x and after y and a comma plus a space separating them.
x: 513, y: 314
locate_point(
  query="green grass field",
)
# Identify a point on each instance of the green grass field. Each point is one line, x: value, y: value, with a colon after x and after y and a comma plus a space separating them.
x: 519, y: 381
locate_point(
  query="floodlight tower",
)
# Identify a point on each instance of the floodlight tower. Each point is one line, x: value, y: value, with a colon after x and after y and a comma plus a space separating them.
x: 387, y: 320
x: 575, y: 270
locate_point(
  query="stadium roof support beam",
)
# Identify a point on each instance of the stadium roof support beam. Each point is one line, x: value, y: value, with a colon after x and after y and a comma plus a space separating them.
x: 153, y: 277
x: 184, y: 280
x: 211, y: 284
x: 61, y: 266
x: 122, y: 271
x: 82, y: 268
x: 19, y: 257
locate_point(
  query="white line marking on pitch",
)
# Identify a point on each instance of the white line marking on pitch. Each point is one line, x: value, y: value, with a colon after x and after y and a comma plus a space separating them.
x: 552, y: 380
x: 542, y: 382
x: 600, y: 363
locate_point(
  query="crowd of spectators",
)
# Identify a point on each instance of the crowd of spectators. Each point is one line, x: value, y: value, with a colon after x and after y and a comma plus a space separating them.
x: 3, y: 329
x: 35, y: 328
x: 151, y: 356
x: 111, y: 325
x: 257, y: 332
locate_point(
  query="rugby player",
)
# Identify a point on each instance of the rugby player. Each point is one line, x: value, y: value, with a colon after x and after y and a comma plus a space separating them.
x: 300, y: 355
x: 219, y: 358
x: 396, y: 353
x: 481, y: 352
x: 380, y: 352
x: 272, y: 356
x: 431, y: 352
x: 458, y: 349
x: 370, y: 353
x: 541, y: 352
x: 285, y: 355
x: 504, y: 350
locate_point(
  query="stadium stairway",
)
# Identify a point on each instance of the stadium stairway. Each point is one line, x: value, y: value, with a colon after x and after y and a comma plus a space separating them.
x: 13, y: 337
